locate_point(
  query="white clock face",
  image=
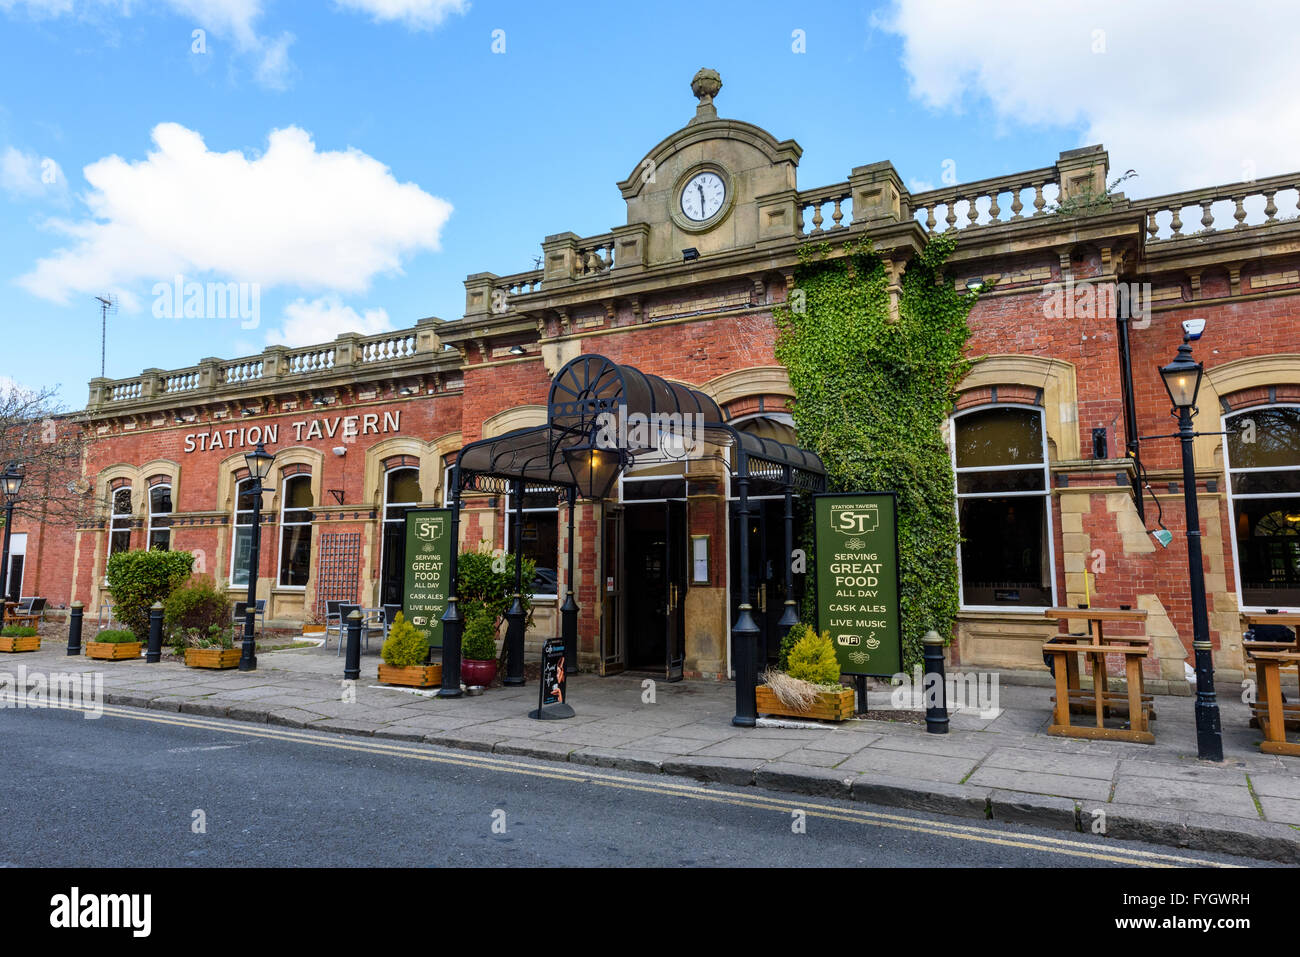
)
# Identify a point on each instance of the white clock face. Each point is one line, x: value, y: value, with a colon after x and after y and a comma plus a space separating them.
x: 702, y: 196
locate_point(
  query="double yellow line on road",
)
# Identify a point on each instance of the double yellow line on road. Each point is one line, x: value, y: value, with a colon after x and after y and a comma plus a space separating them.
x: 581, y: 774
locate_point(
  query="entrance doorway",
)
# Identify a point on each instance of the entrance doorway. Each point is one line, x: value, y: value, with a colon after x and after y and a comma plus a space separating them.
x: 17, y: 556
x: 766, y: 590
x: 653, y: 590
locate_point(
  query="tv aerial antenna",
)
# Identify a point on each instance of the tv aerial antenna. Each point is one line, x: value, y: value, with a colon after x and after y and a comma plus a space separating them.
x: 107, y: 304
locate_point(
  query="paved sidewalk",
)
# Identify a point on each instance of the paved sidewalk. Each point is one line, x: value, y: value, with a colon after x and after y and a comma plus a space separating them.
x: 1005, y: 767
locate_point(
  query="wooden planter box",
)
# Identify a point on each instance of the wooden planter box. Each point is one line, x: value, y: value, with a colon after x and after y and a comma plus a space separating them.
x: 113, y: 650
x: 32, y: 643
x: 413, y: 676
x: 829, y: 706
x: 313, y: 630
x: 212, y: 657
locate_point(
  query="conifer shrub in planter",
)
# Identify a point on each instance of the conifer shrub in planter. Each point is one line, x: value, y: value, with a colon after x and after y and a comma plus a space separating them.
x: 405, y: 652
x: 478, y: 646
x: 195, y: 606
x: 16, y: 638
x: 810, y: 686
x: 114, y: 645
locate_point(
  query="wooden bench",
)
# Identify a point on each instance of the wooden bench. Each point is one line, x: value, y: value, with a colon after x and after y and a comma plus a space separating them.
x: 27, y: 614
x: 1101, y: 700
x: 1272, y: 713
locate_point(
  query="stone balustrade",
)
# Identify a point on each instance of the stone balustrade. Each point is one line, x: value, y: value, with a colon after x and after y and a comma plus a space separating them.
x: 812, y: 204
x: 1009, y: 199
x: 1222, y: 208
x: 277, y: 364
x: 594, y: 256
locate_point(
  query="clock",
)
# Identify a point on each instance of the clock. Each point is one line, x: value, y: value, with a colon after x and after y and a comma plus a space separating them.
x: 703, y: 196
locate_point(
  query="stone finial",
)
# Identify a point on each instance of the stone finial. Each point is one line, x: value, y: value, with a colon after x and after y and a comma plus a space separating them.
x: 705, y: 85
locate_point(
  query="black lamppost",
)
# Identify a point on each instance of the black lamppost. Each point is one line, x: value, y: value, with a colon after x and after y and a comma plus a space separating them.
x: 259, y: 467
x: 10, y: 482
x: 1182, y: 379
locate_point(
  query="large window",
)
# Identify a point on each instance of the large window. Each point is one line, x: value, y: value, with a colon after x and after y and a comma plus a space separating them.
x: 160, y: 518
x: 241, y: 547
x: 541, y: 537
x: 1264, y: 492
x: 1003, y: 508
x: 119, y: 525
x: 295, y: 532
x: 401, y: 492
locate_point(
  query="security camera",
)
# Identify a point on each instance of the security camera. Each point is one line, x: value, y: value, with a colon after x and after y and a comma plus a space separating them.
x: 1192, y: 329
x: 340, y: 450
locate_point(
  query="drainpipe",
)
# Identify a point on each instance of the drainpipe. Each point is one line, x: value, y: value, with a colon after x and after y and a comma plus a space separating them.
x: 1130, y: 409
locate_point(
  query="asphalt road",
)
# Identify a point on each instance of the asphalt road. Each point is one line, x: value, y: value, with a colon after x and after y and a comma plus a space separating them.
x: 130, y: 788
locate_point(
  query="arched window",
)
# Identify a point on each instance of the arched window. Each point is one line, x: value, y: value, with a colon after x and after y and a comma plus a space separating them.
x: 295, y: 531
x: 1003, y: 508
x: 241, y: 547
x: 160, y: 518
x: 119, y: 525
x: 401, y: 492
x: 1263, y: 459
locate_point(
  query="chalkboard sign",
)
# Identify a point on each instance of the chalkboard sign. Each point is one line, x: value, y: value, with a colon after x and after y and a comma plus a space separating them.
x: 554, y: 680
x: 428, y: 566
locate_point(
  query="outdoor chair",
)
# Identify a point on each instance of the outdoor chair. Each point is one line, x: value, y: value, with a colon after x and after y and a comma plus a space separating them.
x: 344, y: 611
x: 390, y: 612
x: 333, y: 621
x: 259, y: 615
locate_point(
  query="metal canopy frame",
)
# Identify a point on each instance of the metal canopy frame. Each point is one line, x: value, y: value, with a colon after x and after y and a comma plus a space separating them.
x: 588, y: 395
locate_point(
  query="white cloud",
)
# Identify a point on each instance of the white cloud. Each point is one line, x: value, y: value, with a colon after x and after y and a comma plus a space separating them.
x: 28, y: 175
x: 1189, y: 93
x: 291, y: 216
x: 322, y: 320
x: 417, y: 14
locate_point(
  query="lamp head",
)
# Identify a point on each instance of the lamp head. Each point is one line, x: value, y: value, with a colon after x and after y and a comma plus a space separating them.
x: 1182, y: 378
x: 11, y: 481
x: 259, y: 462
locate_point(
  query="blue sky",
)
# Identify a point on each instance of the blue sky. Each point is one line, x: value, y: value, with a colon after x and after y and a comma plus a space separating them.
x: 415, y: 154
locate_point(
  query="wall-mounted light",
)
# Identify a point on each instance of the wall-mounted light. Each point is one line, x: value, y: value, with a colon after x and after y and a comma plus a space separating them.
x: 516, y: 350
x: 319, y: 401
x: 406, y: 390
x: 248, y: 411
x: 690, y: 254
x: 974, y: 284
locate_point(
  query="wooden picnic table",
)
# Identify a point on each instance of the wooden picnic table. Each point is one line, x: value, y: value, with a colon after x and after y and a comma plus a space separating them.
x: 1273, y: 713
x: 1258, y: 707
x: 1065, y: 650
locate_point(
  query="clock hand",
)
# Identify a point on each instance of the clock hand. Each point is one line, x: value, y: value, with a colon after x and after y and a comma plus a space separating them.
x: 700, y: 187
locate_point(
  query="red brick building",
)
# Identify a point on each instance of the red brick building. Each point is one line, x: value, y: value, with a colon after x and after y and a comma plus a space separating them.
x: 1084, y: 294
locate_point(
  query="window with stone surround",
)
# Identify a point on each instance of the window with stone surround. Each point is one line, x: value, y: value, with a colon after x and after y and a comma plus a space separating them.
x: 160, y: 515
x: 541, y: 536
x: 241, y: 547
x: 401, y: 493
x: 119, y: 524
x: 1263, y: 460
x: 1003, y: 507
x: 295, y: 531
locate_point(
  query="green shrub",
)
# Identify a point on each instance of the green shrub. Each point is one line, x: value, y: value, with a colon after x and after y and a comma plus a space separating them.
x: 405, y: 645
x: 19, y: 631
x: 215, y: 636
x: 115, y: 636
x: 138, y: 579
x: 479, y: 643
x: 813, y: 659
x: 478, y: 582
x: 196, y: 604
x: 788, y: 642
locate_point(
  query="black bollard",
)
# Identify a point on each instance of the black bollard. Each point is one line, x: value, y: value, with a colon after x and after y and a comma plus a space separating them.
x: 74, y: 629
x: 451, y: 630
x: 936, y: 709
x: 352, y: 663
x: 154, y: 654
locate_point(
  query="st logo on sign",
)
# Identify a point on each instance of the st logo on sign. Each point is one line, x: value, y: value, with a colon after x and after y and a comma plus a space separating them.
x: 428, y: 530
x: 856, y: 520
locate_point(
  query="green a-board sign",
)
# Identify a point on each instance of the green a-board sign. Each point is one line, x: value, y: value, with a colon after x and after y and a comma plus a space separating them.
x: 428, y: 569
x: 857, y: 580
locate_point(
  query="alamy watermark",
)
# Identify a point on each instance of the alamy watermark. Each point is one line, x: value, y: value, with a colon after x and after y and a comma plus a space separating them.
x: 83, y: 692
x: 182, y: 299
x: 1098, y: 300
x: 974, y: 691
x: 678, y: 435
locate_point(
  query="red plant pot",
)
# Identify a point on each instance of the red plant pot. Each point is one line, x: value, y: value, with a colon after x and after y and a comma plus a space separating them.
x: 478, y: 672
